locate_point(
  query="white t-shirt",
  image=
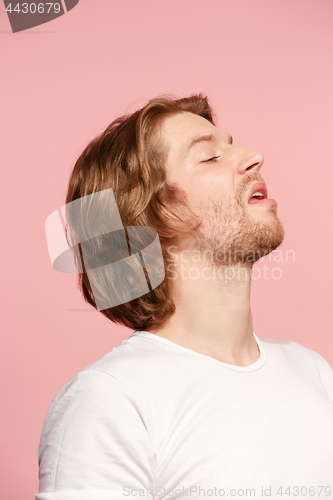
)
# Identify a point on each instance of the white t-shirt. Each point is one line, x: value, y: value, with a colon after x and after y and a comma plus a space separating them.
x: 152, y: 419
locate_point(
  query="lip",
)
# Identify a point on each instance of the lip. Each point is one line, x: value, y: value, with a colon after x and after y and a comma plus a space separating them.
x: 258, y: 186
x: 261, y: 187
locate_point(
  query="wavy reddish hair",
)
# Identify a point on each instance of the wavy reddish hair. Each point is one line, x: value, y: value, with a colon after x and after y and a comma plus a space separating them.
x: 129, y: 157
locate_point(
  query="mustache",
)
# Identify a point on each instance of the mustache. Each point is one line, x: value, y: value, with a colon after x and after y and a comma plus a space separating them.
x: 246, y: 182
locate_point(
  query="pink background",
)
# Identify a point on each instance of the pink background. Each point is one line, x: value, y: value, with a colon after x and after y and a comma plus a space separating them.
x: 267, y: 68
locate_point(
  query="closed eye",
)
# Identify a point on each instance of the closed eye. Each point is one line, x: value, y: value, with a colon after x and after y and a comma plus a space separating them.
x: 213, y: 158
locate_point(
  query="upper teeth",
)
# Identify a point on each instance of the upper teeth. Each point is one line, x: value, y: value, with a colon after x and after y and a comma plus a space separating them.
x: 258, y: 194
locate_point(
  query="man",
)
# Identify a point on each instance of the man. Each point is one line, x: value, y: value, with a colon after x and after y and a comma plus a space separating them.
x: 194, y: 404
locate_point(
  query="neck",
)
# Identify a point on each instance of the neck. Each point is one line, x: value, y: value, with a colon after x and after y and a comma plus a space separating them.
x: 213, y: 314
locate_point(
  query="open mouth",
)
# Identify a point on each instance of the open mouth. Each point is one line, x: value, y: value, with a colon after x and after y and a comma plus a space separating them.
x: 258, y: 195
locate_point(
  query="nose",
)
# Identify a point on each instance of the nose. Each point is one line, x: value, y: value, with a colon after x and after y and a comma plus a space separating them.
x: 249, y: 160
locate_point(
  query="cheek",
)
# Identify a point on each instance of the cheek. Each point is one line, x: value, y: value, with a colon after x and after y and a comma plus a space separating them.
x: 210, y: 185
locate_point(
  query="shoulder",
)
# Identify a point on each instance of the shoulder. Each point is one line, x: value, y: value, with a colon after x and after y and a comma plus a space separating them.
x: 130, y: 360
x: 110, y: 378
x: 292, y: 349
x: 112, y: 389
x: 110, y: 374
x: 96, y: 401
x: 302, y: 359
x: 96, y: 430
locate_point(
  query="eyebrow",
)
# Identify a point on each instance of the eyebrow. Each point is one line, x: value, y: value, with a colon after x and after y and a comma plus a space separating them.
x: 204, y: 138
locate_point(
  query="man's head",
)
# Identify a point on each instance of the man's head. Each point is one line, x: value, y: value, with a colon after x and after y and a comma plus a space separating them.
x: 171, y: 168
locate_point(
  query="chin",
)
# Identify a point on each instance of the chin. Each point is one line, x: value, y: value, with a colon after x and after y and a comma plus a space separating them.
x: 269, y: 237
x: 257, y: 238
x: 243, y: 236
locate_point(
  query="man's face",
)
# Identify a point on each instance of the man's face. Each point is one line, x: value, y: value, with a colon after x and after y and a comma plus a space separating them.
x: 218, y: 179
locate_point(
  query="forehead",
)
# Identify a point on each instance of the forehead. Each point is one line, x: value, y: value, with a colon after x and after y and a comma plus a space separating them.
x: 182, y: 129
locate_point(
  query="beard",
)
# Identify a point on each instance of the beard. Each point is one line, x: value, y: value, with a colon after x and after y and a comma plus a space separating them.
x: 233, y: 233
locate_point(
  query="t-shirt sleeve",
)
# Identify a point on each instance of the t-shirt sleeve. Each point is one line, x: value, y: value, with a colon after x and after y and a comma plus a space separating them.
x: 95, y: 443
